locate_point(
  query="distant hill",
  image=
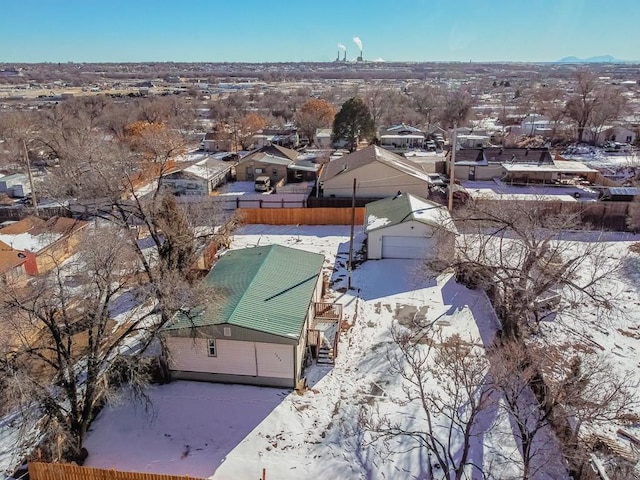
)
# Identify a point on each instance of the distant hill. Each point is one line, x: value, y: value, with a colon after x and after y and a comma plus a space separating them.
x: 598, y: 59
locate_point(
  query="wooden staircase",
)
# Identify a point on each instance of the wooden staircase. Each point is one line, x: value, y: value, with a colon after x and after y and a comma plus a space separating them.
x: 325, y: 355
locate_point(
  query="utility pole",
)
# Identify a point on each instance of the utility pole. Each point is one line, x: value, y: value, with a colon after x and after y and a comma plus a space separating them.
x: 452, y: 163
x: 34, y: 200
x: 353, y: 222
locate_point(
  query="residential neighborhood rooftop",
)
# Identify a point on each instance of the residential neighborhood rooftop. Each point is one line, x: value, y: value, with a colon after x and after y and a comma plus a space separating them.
x: 395, y: 210
x: 268, y: 289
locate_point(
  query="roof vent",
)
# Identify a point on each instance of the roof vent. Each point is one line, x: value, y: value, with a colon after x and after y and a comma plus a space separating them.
x: 226, y: 331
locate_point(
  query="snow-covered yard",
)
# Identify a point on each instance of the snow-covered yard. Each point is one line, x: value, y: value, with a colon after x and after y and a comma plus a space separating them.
x: 316, y: 433
x: 230, y: 431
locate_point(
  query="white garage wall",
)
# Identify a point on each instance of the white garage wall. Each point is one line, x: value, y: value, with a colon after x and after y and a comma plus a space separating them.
x: 191, y: 355
x: 410, y: 228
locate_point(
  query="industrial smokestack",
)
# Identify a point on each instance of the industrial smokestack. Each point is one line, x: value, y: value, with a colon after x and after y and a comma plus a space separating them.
x: 358, y: 42
x: 343, y: 48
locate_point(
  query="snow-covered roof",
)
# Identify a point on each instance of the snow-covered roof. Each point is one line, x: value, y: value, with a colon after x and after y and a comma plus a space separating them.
x: 559, y: 166
x: 207, y: 168
x: 28, y: 242
x: 405, y: 207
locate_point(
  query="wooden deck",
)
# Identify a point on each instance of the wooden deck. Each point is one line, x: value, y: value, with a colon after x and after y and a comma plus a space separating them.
x: 323, y: 336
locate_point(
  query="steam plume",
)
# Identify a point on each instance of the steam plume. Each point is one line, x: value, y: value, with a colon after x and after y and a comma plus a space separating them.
x: 342, y: 47
x: 358, y: 42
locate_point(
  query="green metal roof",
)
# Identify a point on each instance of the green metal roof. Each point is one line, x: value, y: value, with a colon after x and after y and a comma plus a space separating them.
x: 402, y: 208
x: 268, y: 289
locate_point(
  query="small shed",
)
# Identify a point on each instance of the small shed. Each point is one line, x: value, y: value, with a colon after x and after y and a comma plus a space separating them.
x: 620, y: 194
x: 408, y: 226
x: 257, y: 334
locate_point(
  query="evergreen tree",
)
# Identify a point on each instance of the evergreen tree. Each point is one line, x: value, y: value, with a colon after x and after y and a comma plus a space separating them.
x: 352, y: 123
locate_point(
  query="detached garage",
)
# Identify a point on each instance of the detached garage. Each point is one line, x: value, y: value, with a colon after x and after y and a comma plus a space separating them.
x: 257, y: 330
x: 407, y: 226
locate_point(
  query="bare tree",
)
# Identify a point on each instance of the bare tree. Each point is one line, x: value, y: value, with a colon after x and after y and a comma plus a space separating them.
x: 446, y: 378
x: 549, y: 101
x: 511, y: 374
x: 581, y: 389
x: 517, y: 253
x: 428, y: 101
x: 64, y: 339
x: 579, y: 107
x: 457, y: 108
x: 610, y: 105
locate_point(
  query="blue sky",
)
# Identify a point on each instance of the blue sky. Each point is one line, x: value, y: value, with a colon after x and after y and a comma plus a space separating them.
x: 308, y: 30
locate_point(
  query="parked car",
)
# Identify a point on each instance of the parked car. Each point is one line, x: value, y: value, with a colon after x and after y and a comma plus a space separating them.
x: 263, y: 184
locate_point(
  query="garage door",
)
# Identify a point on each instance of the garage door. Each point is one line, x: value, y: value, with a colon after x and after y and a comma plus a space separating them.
x: 404, y: 247
x: 274, y: 360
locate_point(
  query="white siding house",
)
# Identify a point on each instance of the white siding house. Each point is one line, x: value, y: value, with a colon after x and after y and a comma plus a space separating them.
x: 257, y: 332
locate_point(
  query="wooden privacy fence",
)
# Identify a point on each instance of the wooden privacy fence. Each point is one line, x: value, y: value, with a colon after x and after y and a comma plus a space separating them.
x: 66, y: 471
x: 599, y: 215
x: 301, y: 216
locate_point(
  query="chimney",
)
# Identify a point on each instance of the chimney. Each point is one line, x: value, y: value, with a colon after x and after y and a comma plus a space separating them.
x: 338, y: 57
x: 345, y: 56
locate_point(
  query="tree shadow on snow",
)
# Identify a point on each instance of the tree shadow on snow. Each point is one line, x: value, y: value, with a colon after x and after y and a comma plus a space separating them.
x: 458, y: 297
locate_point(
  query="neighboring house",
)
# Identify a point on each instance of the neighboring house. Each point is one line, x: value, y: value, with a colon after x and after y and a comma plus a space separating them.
x: 402, y: 138
x: 12, y: 265
x: 285, y: 137
x: 487, y: 163
x: 322, y: 138
x: 270, y: 160
x: 378, y: 173
x: 616, y: 133
x: 16, y: 185
x: 257, y: 332
x: 220, y: 139
x: 407, y: 226
x: 471, y: 140
x: 45, y: 243
x: 534, y: 124
x: 199, y: 178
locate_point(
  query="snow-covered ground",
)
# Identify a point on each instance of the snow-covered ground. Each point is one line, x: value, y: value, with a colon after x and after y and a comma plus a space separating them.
x: 316, y: 434
x: 596, y: 157
x: 232, y: 431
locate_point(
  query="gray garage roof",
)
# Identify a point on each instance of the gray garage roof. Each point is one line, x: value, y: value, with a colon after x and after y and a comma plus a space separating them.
x: 405, y: 207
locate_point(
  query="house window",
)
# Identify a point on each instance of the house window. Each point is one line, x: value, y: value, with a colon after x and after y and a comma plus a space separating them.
x: 211, y: 344
x: 259, y: 170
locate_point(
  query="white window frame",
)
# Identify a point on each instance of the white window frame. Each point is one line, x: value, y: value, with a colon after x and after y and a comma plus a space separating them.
x: 212, y: 349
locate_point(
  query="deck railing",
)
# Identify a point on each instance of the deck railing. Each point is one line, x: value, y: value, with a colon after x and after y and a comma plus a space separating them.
x: 328, y: 311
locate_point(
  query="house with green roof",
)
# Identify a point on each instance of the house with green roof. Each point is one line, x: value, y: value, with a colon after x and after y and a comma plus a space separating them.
x: 257, y: 333
x: 408, y: 226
